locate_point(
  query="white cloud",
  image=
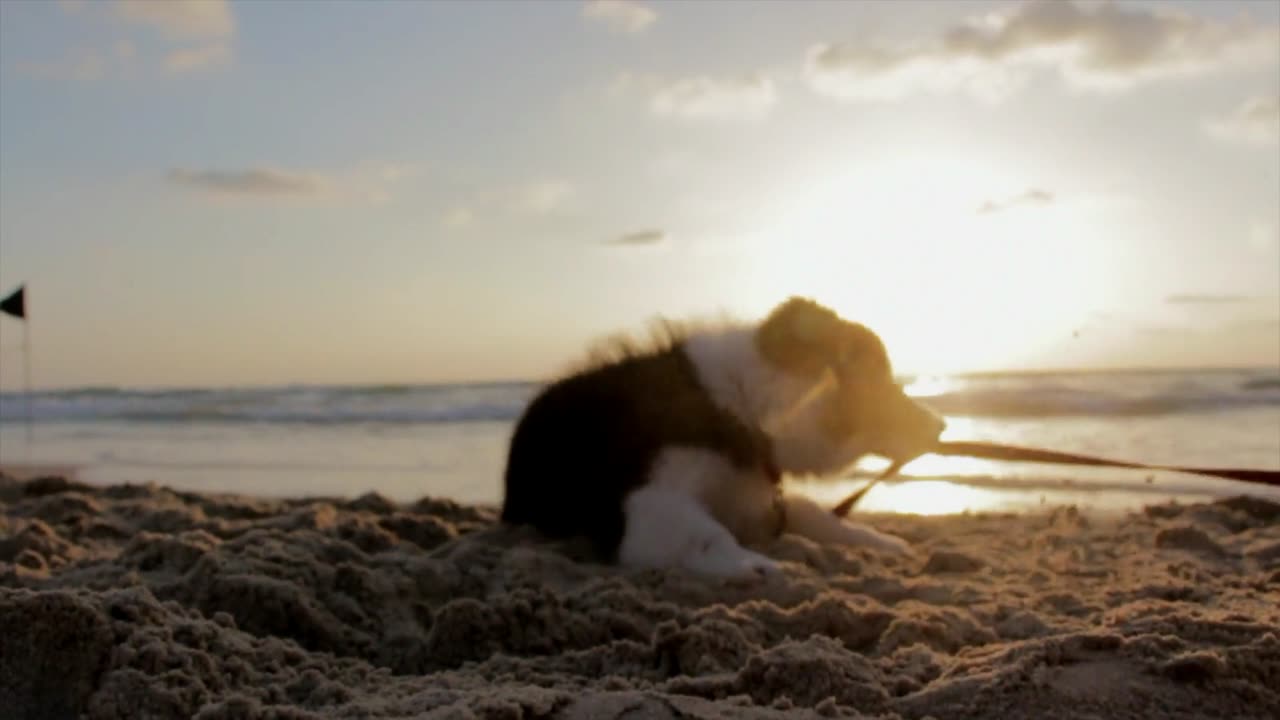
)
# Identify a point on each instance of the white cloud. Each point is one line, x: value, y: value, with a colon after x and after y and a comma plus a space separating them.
x: 1103, y: 46
x: 83, y: 65
x: 543, y: 197
x: 627, y: 83
x: 198, y: 33
x: 1264, y: 236
x: 395, y: 172
x: 620, y: 15
x: 198, y: 58
x: 1207, y: 299
x: 709, y: 97
x: 459, y: 217
x: 699, y: 97
x: 1256, y: 121
x: 180, y: 18
x: 863, y: 72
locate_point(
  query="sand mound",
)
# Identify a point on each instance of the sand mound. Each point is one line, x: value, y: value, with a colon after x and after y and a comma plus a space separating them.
x: 138, y: 601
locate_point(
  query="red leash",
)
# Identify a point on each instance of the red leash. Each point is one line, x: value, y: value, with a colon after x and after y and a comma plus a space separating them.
x: 995, y: 451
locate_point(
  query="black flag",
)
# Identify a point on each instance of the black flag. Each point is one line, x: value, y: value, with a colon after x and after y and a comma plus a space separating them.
x: 15, y: 304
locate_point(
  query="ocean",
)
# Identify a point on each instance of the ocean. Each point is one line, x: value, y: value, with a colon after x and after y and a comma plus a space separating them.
x: 406, y: 441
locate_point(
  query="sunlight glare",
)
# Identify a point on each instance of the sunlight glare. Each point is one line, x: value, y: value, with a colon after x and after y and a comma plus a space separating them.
x: 928, y: 497
x: 901, y: 246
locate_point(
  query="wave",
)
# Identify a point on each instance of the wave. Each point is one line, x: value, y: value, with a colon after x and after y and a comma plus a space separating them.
x: 1075, y: 403
x: 1092, y: 395
x: 391, y: 404
x: 1107, y: 395
x: 1263, y: 383
x: 1163, y: 484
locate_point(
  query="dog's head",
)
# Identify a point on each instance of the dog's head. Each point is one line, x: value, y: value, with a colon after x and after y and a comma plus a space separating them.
x: 846, y: 402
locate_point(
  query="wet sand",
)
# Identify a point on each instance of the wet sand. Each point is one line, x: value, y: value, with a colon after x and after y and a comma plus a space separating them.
x: 137, y: 601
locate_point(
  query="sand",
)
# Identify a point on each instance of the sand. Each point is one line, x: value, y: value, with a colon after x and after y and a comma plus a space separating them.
x: 137, y: 601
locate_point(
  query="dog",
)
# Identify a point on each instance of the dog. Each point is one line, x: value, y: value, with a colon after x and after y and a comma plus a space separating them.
x: 672, y: 456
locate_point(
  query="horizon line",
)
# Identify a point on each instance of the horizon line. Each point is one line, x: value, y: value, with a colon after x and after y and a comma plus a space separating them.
x: 1015, y: 372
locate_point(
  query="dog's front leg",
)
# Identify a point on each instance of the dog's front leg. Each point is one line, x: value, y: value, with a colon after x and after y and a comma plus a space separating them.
x: 806, y: 518
x: 667, y: 528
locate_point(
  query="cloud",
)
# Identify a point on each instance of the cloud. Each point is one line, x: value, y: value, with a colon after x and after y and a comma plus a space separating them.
x: 1103, y: 46
x: 1263, y: 236
x: 198, y: 58
x: 856, y: 72
x: 543, y: 197
x: 395, y: 172
x: 708, y: 97
x: 254, y: 182
x: 1207, y: 299
x: 198, y: 34
x: 83, y: 66
x: 640, y: 238
x: 1031, y: 197
x: 625, y: 16
x: 1255, y: 121
x: 368, y: 184
x: 459, y: 217
x: 1268, y: 323
x: 180, y: 18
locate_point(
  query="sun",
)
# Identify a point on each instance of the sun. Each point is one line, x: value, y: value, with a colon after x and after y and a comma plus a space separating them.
x: 903, y: 247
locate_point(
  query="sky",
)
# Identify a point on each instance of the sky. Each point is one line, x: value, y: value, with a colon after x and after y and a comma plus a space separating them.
x: 247, y: 193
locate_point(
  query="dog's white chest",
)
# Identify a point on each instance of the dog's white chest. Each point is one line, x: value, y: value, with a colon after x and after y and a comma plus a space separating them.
x: 742, y: 500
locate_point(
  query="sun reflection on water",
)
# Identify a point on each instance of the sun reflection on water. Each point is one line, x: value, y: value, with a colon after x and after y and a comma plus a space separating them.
x: 912, y: 497
x: 936, y: 466
x: 930, y: 497
x: 930, y: 493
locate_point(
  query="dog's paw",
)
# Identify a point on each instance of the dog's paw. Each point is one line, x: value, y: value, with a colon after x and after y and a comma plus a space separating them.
x: 756, y: 567
x: 856, y: 535
x: 738, y: 565
x: 893, y: 545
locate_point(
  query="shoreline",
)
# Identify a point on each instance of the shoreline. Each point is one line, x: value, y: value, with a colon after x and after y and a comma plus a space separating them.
x: 138, y: 599
x: 501, y: 381
x: 1101, y: 492
x: 30, y: 471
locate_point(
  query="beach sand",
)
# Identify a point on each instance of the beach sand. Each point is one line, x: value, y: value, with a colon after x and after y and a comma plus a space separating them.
x: 136, y: 601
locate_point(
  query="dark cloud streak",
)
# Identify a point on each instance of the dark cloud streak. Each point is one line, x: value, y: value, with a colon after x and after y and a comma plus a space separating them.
x: 1031, y: 197
x: 640, y: 238
x: 248, y: 182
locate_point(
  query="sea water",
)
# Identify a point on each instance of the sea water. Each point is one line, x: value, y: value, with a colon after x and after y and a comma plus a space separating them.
x: 406, y: 441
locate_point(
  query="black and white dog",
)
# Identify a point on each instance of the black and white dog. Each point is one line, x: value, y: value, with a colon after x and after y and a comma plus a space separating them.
x: 672, y: 456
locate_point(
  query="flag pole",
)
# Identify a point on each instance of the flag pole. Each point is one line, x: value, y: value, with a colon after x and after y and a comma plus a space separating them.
x: 16, y: 305
x: 26, y: 373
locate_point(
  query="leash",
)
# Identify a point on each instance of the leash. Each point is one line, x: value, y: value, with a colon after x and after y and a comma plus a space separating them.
x: 996, y: 451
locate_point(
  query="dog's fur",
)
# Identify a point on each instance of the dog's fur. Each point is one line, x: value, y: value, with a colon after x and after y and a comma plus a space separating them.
x: 672, y: 456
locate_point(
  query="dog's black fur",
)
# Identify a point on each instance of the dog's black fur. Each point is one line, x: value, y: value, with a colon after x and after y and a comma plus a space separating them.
x: 585, y: 442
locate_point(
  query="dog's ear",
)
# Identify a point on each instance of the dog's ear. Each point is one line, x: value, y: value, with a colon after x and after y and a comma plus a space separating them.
x: 862, y: 353
x: 800, y: 335
x: 806, y: 320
